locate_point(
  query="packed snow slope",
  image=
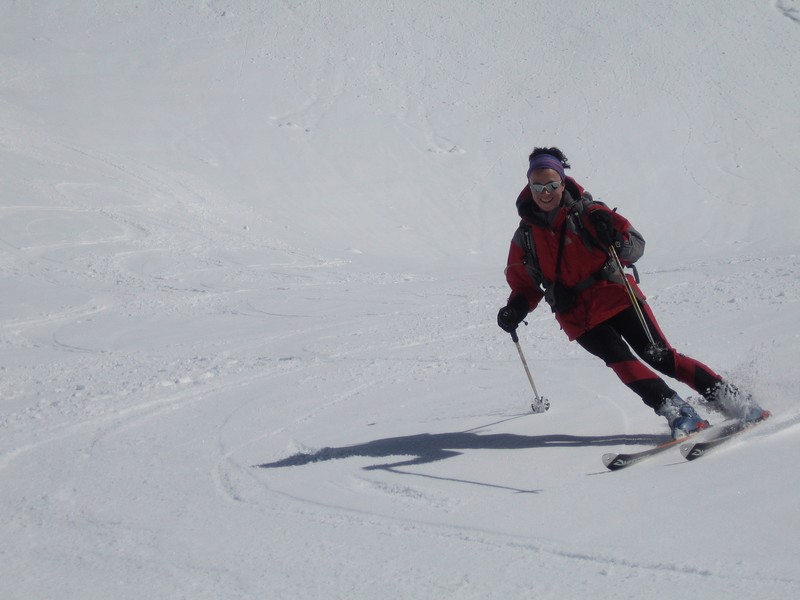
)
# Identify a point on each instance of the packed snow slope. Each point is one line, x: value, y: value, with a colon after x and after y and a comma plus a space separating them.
x: 252, y: 254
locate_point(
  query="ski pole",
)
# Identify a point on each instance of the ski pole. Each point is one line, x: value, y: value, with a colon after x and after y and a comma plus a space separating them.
x: 540, y: 404
x: 654, y: 349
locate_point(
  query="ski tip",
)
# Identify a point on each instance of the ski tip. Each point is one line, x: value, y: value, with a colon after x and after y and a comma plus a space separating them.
x: 609, y: 458
x: 615, y: 462
x: 686, y: 451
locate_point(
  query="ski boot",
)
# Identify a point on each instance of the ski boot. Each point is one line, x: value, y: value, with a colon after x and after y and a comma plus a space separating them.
x: 680, y: 415
x: 733, y: 403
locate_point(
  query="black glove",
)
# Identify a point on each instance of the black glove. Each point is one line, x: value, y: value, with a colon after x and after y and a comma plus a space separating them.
x: 603, y: 223
x: 512, y: 314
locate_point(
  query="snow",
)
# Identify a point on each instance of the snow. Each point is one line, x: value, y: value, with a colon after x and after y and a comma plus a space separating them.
x: 252, y: 258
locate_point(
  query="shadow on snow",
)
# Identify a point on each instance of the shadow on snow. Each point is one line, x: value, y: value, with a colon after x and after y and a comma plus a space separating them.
x: 431, y: 447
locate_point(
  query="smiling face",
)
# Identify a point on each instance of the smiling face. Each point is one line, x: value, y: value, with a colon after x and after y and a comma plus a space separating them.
x: 546, y: 199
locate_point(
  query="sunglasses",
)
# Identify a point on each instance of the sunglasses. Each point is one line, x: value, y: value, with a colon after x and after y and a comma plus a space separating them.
x: 549, y: 187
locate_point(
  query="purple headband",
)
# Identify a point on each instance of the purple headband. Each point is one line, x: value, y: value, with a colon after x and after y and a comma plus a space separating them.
x: 547, y: 161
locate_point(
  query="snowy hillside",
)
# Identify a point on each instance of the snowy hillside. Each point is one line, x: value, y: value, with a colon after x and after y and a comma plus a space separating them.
x: 252, y: 254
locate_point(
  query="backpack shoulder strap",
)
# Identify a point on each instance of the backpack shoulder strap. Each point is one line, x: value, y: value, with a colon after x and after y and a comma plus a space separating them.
x: 530, y: 259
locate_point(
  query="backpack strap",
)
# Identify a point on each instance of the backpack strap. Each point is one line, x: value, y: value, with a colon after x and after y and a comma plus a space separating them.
x: 530, y: 259
x: 608, y: 272
x: 561, y: 237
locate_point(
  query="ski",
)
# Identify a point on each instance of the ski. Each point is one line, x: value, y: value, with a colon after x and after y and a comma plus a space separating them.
x: 695, y: 450
x: 616, y: 461
x: 712, y: 437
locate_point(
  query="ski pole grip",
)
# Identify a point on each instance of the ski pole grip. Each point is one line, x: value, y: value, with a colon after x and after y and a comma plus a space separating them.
x: 514, y: 336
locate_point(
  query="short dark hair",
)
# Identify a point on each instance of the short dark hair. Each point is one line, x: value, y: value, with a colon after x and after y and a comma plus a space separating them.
x: 552, y: 152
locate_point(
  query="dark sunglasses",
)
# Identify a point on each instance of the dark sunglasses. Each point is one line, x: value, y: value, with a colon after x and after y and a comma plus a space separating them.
x: 541, y: 187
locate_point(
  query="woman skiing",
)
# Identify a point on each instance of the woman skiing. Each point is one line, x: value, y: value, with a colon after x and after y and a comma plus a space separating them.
x: 565, y: 251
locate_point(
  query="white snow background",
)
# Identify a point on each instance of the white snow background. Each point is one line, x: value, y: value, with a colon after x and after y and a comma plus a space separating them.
x: 252, y: 255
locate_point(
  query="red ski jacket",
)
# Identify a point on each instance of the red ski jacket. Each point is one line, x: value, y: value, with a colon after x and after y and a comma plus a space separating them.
x: 590, y: 276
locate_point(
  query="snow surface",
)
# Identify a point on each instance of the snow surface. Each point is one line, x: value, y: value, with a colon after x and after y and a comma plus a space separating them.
x: 252, y: 254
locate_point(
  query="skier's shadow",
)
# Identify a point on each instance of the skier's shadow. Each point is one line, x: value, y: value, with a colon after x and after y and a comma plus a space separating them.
x: 426, y: 448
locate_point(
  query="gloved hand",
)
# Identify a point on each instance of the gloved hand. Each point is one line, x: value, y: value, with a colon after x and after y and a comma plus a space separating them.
x: 603, y: 222
x: 512, y: 314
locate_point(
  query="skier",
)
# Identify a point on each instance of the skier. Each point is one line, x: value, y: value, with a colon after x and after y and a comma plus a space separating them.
x: 563, y: 251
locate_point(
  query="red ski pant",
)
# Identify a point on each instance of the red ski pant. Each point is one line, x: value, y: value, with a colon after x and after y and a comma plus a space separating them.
x: 616, y: 340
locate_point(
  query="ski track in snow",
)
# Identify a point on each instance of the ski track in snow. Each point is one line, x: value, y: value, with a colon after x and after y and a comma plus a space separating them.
x: 789, y: 9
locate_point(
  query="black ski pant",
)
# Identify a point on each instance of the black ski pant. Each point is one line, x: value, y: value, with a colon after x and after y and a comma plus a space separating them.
x: 615, y: 341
